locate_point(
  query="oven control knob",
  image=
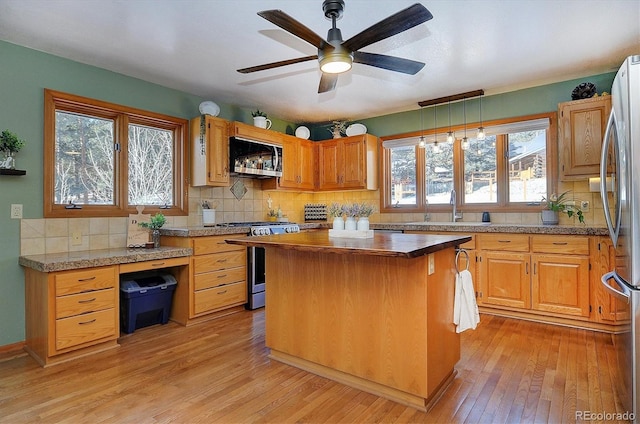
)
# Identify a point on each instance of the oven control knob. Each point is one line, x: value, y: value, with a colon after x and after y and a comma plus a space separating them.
x: 265, y: 231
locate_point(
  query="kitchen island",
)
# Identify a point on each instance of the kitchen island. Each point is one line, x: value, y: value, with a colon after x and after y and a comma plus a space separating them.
x: 373, y: 313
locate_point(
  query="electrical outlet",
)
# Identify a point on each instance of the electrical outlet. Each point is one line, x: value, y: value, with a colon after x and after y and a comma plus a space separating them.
x: 76, y: 238
x: 16, y: 211
x: 584, y: 205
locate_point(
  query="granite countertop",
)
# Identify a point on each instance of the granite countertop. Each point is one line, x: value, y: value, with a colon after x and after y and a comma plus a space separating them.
x: 471, y: 227
x: 479, y: 227
x: 221, y: 230
x: 93, y: 258
x: 381, y: 244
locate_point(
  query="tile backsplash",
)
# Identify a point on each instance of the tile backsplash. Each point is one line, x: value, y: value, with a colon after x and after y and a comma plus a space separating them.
x: 57, y: 235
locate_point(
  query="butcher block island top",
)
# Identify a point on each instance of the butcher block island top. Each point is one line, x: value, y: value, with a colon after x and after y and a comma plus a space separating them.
x: 382, y: 244
x: 375, y: 314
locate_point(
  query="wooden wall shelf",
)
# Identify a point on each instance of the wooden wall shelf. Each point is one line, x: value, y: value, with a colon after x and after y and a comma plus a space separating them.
x: 13, y: 172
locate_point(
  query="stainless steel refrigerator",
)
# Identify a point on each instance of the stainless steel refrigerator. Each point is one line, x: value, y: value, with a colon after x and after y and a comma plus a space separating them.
x: 620, y: 191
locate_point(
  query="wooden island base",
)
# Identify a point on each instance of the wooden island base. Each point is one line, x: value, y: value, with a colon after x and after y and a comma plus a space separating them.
x: 382, y: 324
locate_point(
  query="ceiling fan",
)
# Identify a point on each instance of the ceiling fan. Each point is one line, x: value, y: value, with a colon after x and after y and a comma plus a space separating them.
x: 335, y: 55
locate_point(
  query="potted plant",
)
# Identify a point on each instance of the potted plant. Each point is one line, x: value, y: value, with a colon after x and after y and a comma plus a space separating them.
x: 364, y: 212
x: 557, y: 204
x: 260, y: 119
x: 338, y: 128
x: 155, y: 223
x: 9, y: 144
x: 335, y: 211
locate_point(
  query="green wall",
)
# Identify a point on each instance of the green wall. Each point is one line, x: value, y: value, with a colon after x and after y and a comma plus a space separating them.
x: 25, y: 73
x: 515, y: 103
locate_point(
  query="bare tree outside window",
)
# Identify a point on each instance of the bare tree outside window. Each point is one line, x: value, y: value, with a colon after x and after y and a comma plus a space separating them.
x: 150, y: 166
x: 84, y: 160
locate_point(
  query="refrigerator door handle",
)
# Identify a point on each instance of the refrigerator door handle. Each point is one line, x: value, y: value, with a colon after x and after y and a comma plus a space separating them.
x: 623, y: 294
x: 603, y: 177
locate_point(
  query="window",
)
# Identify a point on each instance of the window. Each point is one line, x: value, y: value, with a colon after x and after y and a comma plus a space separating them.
x: 103, y: 159
x: 506, y: 171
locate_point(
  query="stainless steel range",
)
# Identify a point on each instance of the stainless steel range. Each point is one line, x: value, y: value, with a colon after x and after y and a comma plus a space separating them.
x: 255, y: 259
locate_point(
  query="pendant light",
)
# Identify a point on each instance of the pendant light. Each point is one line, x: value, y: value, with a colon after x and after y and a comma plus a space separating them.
x: 450, y: 133
x: 481, y: 135
x: 421, y: 142
x: 435, y: 148
x: 465, y: 140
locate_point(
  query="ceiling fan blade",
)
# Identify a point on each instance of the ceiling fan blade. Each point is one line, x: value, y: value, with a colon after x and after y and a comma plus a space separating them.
x: 394, y: 24
x: 327, y: 82
x: 286, y: 22
x: 276, y: 64
x: 391, y: 63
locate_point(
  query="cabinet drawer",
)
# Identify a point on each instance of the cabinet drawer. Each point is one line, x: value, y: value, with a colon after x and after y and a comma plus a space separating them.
x: 219, y: 278
x: 85, y: 328
x: 568, y: 245
x: 215, y: 244
x: 81, y: 303
x: 219, y: 261
x: 506, y: 242
x: 219, y: 297
x: 71, y: 282
x: 151, y: 265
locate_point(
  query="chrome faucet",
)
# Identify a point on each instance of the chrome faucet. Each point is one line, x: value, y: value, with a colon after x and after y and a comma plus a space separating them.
x: 427, y: 215
x: 452, y: 202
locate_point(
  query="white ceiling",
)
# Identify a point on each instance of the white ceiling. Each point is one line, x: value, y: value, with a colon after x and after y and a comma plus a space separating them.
x: 197, y: 45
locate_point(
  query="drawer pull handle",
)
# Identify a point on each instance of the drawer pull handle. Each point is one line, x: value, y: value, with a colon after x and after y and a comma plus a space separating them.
x: 560, y: 243
x: 87, y: 322
x: 222, y: 292
x: 87, y: 279
x: 221, y: 276
x: 158, y: 264
x: 87, y: 300
x: 504, y: 241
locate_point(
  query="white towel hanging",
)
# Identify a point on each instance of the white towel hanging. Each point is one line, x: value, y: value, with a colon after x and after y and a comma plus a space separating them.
x: 465, y: 308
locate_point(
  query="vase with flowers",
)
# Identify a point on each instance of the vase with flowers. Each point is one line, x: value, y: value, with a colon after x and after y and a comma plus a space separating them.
x: 351, y: 211
x: 559, y: 204
x: 338, y: 128
x: 335, y: 211
x: 364, y: 212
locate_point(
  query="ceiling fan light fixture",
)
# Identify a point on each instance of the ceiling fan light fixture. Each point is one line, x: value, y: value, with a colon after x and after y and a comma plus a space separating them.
x: 335, y: 63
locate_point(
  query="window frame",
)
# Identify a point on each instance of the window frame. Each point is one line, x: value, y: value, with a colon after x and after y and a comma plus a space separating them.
x: 502, y: 204
x: 122, y: 117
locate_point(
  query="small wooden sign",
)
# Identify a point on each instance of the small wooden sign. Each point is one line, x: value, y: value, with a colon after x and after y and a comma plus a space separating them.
x: 136, y: 235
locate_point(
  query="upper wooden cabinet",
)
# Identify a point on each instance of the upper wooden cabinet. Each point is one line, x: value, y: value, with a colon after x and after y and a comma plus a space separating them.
x: 209, y: 152
x: 581, y: 130
x: 298, y: 165
x: 251, y: 132
x: 348, y: 163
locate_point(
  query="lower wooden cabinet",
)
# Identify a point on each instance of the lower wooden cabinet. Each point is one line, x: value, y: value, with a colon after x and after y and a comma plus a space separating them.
x: 217, y: 278
x: 70, y: 313
x: 504, y: 279
x: 538, y: 273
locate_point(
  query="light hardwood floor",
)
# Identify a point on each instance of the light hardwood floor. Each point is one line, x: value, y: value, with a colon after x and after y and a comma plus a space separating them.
x: 511, y: 371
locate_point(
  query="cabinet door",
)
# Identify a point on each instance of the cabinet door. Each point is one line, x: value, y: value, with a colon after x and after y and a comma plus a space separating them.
x: 504, y: 279
x: 218, y: 151
x: 351, y: 162
x: 608, y: 308
x: 290, y: 163
x: 307, y: 165
x: 582, y: 125
x: 560, y: 284
x: 328, y: 162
